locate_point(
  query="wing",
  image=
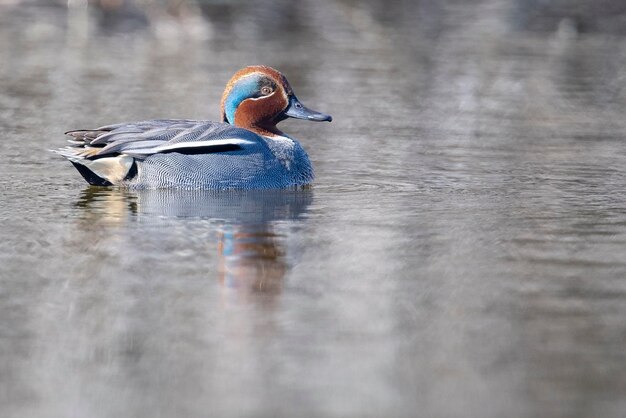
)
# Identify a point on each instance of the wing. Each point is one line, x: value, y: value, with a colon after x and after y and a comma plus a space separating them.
x: 141, y: 139
x: 107, y: 155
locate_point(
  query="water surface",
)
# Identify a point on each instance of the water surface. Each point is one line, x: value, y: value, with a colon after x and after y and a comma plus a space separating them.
x: 462, y: 252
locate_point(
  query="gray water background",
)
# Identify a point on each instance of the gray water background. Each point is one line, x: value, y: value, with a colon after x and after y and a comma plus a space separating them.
x: 461, y: 254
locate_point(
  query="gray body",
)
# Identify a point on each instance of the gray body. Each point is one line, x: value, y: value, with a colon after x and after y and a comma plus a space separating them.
x: 188, y: 154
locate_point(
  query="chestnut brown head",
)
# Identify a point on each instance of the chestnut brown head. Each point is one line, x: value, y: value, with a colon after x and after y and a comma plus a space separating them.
x: 258, y: 97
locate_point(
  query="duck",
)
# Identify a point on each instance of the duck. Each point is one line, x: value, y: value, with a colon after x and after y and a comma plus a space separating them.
x: 245, y: 150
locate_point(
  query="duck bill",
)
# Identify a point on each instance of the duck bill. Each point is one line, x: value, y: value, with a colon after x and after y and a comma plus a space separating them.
x: 298, y: 111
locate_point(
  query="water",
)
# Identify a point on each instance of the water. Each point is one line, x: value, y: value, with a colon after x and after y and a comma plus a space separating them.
x: 462, y: 252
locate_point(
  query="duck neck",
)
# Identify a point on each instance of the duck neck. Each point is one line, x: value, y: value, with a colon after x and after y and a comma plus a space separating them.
x: 246, y: 119
x: 264, y: 129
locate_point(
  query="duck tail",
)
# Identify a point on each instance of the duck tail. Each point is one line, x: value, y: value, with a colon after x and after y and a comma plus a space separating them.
x: 105, y: 171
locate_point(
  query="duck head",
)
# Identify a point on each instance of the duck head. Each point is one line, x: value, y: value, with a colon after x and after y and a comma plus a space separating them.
x: 258, y: 97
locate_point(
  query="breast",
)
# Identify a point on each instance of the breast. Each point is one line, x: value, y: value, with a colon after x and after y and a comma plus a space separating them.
x: 293, y: 158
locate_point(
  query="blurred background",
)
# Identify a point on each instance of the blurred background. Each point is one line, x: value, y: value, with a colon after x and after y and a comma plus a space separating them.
x: 461, y: 253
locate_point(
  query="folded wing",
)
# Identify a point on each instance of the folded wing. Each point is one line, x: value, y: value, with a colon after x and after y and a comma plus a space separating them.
x: 107, y: 155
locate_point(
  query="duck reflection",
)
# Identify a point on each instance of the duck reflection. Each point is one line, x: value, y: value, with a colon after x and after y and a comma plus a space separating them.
x: 251, y: 258
x: 251, y: 255
x: 103, y: 206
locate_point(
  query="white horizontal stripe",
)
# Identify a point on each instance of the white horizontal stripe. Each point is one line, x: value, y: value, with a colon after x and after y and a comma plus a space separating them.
x: 183, y: 145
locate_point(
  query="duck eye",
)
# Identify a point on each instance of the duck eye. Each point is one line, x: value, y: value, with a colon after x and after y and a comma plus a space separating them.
x: 266, y: 90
